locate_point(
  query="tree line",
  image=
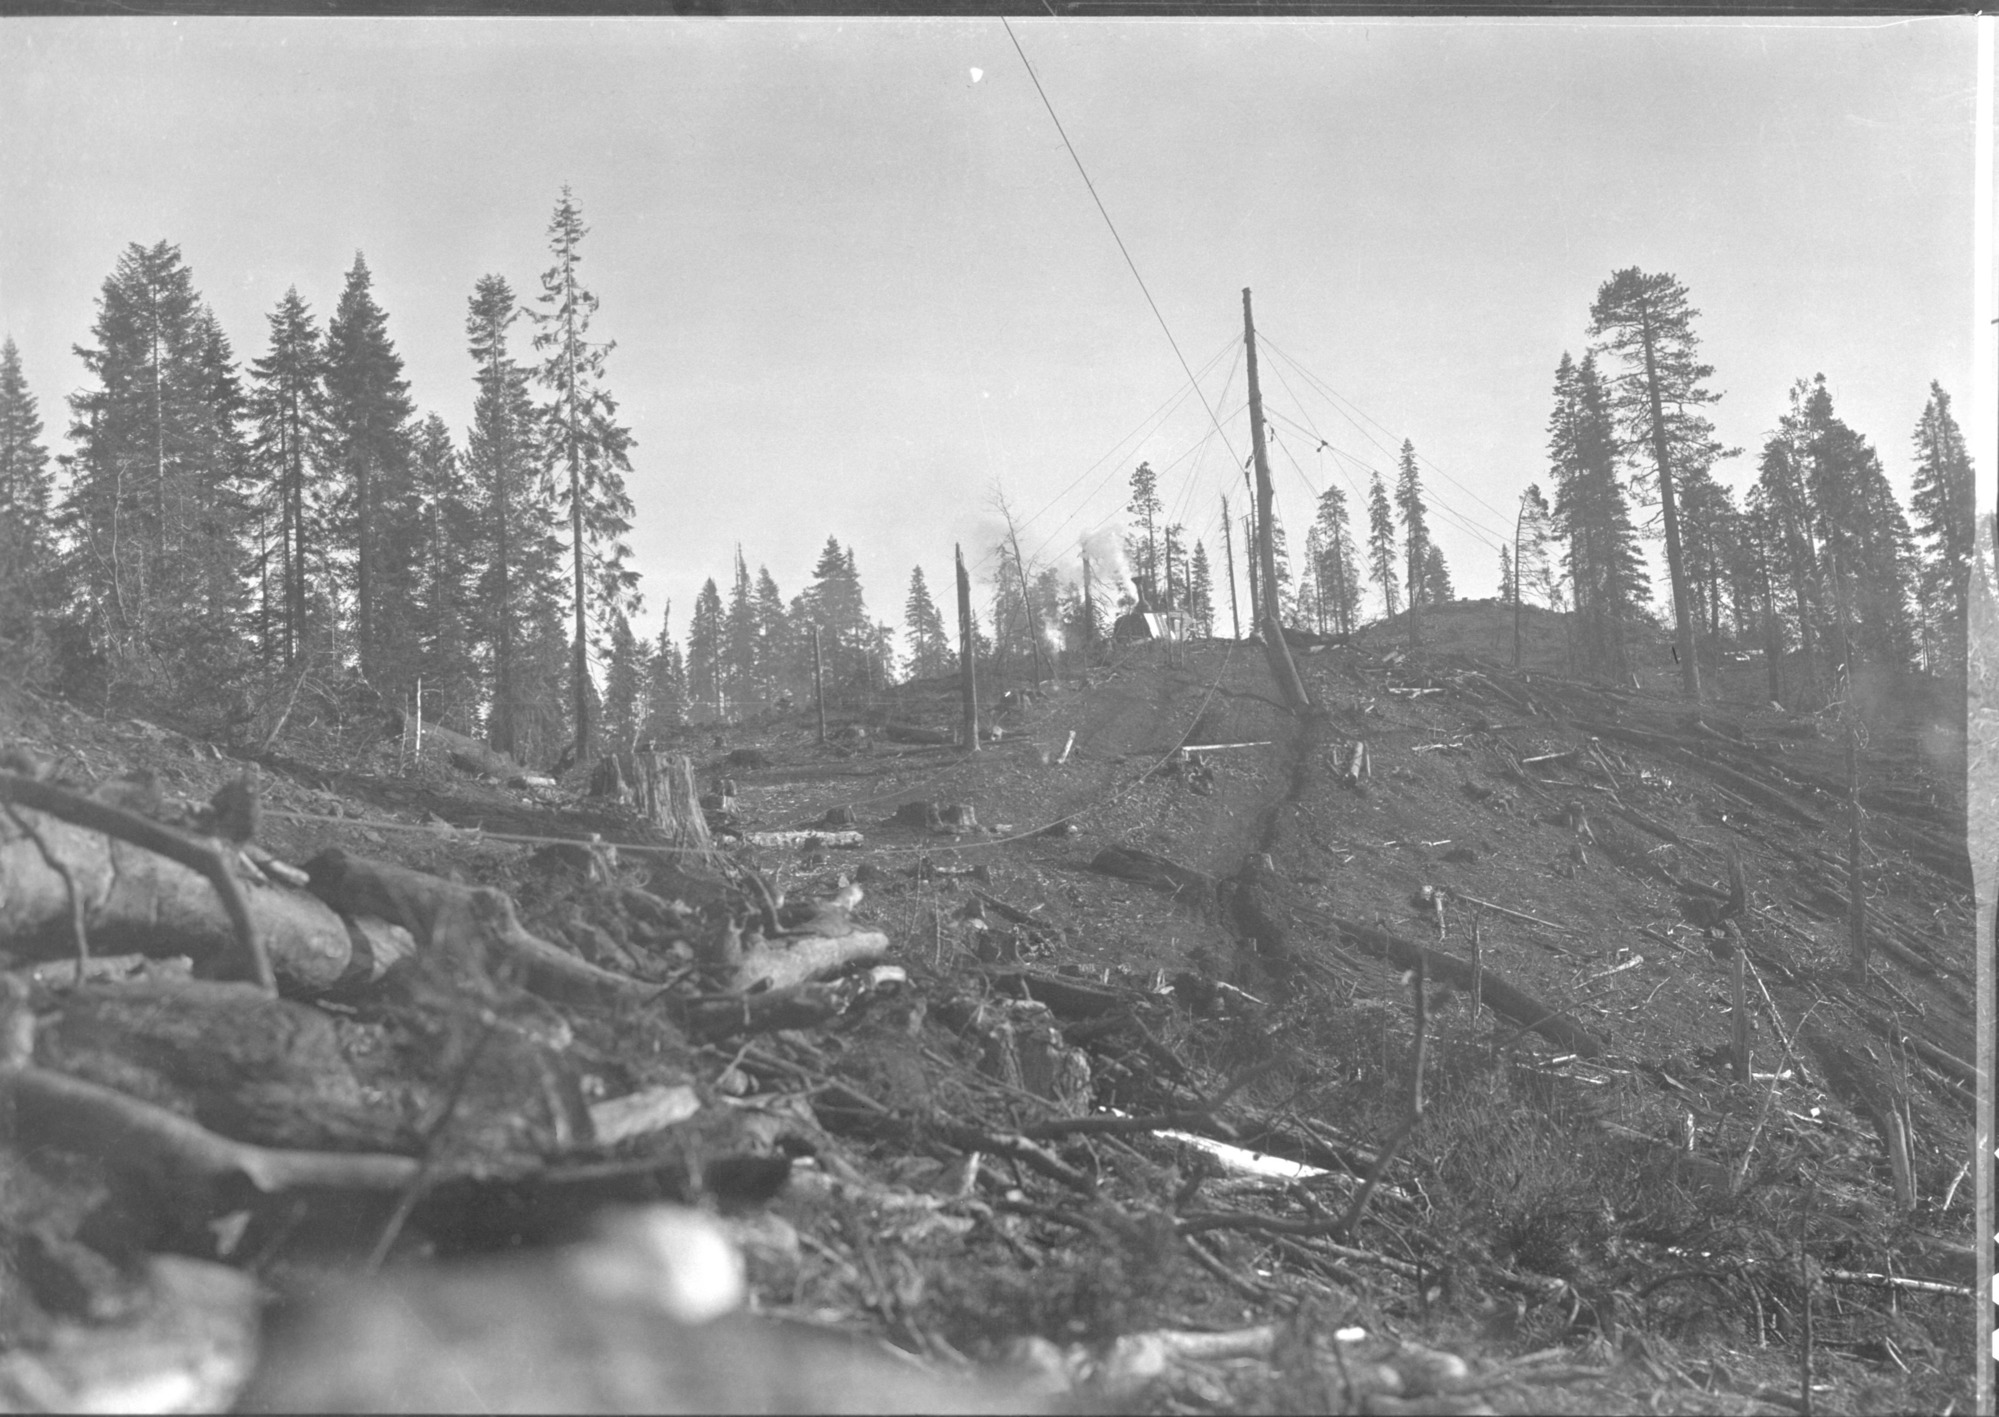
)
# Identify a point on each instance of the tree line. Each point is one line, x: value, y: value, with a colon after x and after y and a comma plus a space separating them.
x: 1817, y: 568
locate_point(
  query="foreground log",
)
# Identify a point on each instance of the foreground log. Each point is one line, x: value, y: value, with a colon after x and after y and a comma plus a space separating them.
x: 466, y: 754
x: 136, y: 900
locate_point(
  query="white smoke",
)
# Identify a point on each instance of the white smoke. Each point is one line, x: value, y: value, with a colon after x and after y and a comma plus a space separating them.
x: 1108, y: 567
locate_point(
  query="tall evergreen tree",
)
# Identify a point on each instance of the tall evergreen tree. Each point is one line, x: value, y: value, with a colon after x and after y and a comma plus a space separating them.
x: 1415, y: 532
x: 440, y: 521
x: 742, y: 656
x: 1339, y: 574
x: 1509, y: 590
x: 833, y: 602
x: 368, y: 413
x: 291, y: 450
x: 506, y: 459
x: 1645, y: 324
x: 1201, y: 589
x: 1606, y: 570
x: 929, y: 643
x: 666, y: 684
x: 1944, y: 503
x: 1708, y: 525
x: 1146, y: 509
x: 706, y: 638
x: 624, y: 683
x: 156, y: 510
x: 591, y: 447
x: 1381, y: 545
x: 775, y: 639
x: 27, y: 542
x: 1437, y: 588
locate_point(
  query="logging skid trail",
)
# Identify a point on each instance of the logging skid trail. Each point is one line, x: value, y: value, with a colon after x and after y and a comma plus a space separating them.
x: 1077, y: 1071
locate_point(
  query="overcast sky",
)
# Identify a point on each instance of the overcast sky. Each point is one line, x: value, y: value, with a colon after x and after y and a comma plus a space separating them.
x: 857, y: 284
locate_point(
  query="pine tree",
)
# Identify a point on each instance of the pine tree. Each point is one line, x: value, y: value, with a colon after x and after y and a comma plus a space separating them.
x: 27, y: 543
x: 368, y: 411
x: 506, y: 461
x: 929, y: 644
x: 1944, y: 504
x: 291, y: 450
x: 155, y: 514
x: 1645, y: 324
x: 1381, y: 545
x: 706, y: 640
x: 1146, y: 509
x: 1201, y: 590
x: 591, y: 447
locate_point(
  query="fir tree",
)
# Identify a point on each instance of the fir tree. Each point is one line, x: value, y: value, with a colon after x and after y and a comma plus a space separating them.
x: 1508, y: 590
x: 1339, y: 572
x: 775, y: 639
x: 291, y: 450
x: 742, y: 657
x: 1605, y: 569
x: 1201, y: 590
x: 368, y: 413
x: 1944, y: 504
x: 1415, y: 532
x: 833, y: 602
x: 27, y: 544
x: 505, y: 459
x: 929, y: 644
x: 155, y: 513
x: 443, y: 513
x: 591, y: 447
x: 1381, y: 545
x: 624, y: 683
x: 1437, y: 588
x: 666, y: 685
x: 705, y: 648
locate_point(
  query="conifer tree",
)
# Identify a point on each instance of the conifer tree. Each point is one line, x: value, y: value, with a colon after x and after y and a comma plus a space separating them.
x: 833, y: 602
x: 506, y: 461
x: 440, y: 523
x: 1508, y: 591
x: 1943, y: 501
x: 929, y: 643
x: 1415, y: 533
x: 624, y: 683
x: 742, y: 657
x: 1381, y: 545
x: 666, y: 684
x: 1644, y: 323
x: 775, y: 639
x: 291, y: 450
x: 1436, y: 577
x: 368, y: 412
x: 1606, y: 571
x: 1146, y: 510
x: 706, y: 639
x: 27, y: 543
x: 156, y: 510
x: 592, y: 450
x: 1201, y: 590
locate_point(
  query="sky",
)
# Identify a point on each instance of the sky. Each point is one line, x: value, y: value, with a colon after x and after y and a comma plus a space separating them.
x: 859, y: 288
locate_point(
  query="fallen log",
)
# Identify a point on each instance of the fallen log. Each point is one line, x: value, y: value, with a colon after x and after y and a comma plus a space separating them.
x: 1147, y: 868
x: 135, y: 900
x: 806, y: 838
x: 466, y: 754
x: 801, y: 959
x: 207, y: 857
x: 155, y: 1144
x: 910, y: 733
x: 1506, y: 1000
x: 1757, y: 792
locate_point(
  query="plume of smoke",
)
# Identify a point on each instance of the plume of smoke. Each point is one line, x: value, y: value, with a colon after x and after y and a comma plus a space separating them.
x: 1108, y: 567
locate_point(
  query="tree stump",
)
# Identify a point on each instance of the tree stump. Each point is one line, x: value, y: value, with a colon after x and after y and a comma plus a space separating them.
x: 664, y: 785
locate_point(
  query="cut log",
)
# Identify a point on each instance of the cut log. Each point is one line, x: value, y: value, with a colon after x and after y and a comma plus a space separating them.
x: 792, y: 960
x: 1510, y: 1002
x: 138, y: 901
x: 804, y: 838
x: 466, y: 754
x: 910, y: 733
x: 1183, y: 883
